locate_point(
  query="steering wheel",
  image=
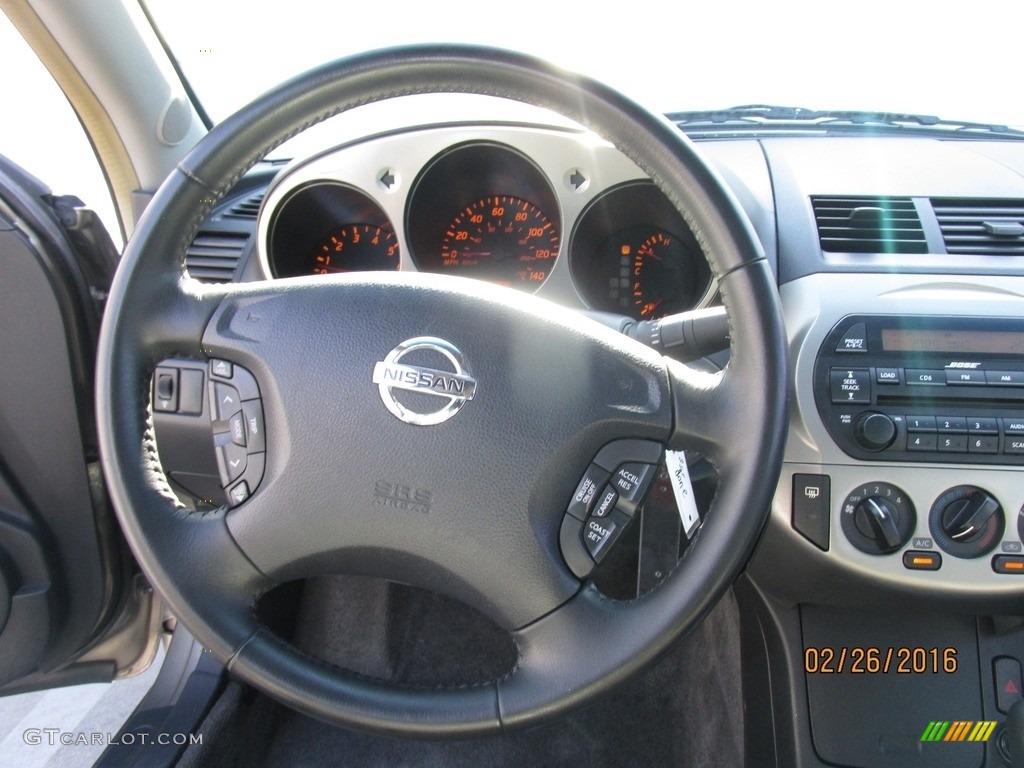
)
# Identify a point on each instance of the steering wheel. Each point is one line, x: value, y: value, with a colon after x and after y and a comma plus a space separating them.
x: 552, y: 390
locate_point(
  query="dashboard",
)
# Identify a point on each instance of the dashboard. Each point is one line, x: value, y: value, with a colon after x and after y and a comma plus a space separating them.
x: 554, y: 211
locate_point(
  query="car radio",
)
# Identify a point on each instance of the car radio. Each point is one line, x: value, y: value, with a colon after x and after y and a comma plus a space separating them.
x: 924, y: 388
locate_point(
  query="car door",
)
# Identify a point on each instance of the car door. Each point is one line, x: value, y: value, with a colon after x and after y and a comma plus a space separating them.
x: 72, y: 609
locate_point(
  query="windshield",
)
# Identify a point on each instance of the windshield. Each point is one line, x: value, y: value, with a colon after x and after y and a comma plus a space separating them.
x: 905, y: 57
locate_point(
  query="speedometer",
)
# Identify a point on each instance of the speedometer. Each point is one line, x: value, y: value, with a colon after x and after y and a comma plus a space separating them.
x: 503, y: 239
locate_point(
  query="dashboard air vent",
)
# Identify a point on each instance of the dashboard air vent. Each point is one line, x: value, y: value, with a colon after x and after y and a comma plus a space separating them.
x: 213, y: 256
x: 869, y: 225
x: 247, y: 208
x: 981, y: 227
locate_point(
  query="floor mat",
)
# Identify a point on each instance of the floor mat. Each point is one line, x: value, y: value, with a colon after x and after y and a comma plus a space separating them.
x: 685, y: 711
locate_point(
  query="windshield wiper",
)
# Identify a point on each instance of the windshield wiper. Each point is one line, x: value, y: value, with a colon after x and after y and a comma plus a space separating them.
x: 772, y: 116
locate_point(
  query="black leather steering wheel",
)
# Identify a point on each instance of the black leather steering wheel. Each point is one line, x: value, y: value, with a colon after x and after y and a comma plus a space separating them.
x: 553, y: 389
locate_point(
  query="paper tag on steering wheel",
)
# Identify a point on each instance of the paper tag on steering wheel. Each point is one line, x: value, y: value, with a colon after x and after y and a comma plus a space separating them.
x: 682, y: 489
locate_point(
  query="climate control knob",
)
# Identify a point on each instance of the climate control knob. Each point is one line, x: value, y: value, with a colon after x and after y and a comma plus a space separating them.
x: 878, y: 518
x: 967, y: 521
x: 874, y: 431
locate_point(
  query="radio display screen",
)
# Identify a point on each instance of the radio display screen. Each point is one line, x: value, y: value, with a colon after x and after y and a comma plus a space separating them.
x: 961, y: 342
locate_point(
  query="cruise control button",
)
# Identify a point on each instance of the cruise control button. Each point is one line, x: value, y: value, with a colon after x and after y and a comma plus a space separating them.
x: 631, y: 482
x: 226, y: 401
x: 231, y: 462
x: 586, y: 492
x: 600, y: 533
x: 255, y: 438
x: 605, y: 502
x: 236, y: 428
x: 850, y: 385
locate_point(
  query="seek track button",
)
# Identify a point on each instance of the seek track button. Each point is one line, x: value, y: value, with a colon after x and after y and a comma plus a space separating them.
x: 850, y: 385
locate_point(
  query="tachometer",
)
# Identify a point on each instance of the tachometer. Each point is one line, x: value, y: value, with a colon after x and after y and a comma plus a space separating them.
x: 633, y: 254
x: 503, y: 239
x: 357, y: 248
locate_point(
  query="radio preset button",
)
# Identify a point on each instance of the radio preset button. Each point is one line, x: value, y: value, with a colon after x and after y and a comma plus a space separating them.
x: 854, y: 340
x: 887, y: 375
x: 953, y: 443
x: 929, y: 376
x: 921, y: 423
x: 982, y: 426
x: 951, y: 423
x: 921, y: 441
x: 1005, y: 378
x: 850, y: 385
x: 964, y: 377
x: 983, y: 444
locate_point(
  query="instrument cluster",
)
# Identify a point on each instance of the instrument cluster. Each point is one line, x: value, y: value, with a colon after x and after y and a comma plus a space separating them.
x: 487, y: 209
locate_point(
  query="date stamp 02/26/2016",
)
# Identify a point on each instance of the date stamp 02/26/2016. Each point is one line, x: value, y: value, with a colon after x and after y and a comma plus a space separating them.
x: 901, y: 660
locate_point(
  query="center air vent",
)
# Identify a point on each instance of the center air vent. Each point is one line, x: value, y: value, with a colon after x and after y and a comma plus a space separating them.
x: 869, y: 225
x: 213, y: 256
x: 982, y: 227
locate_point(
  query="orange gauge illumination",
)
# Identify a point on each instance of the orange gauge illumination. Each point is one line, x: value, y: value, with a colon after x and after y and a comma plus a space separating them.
x: 357, y: 248
x: 654, y: 269
x: 502, y: 239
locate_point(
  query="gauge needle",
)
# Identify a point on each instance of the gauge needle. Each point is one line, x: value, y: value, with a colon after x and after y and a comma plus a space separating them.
x: 650, y: 307
x: 474, y: 253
